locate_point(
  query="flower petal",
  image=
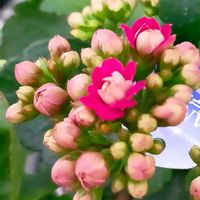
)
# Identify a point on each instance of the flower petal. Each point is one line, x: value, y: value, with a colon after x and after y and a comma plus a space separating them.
x: 166, y: 30
x: 130, y: 71
x: 129, y: 34
x: 124, y: 104
x: 136, y: 88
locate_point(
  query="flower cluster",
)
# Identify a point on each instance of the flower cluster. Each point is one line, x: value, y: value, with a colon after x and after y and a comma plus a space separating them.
x: 105, y: 104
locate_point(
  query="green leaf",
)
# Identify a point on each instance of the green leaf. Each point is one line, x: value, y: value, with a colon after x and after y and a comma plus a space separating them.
x: 29, y: 24
x: 12, y: 157
x: 61, y: 7
x: 159, y: 179
x: 184, y: 16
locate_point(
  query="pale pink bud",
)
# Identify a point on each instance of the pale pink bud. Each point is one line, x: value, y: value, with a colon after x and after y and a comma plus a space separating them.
x: 27, y: 73
x: 141, y: 142
x: 147, y: 123
x: 191, y: 75
x: 14, y: 113
x: 173, y: 111
x: 182, y: 92
x: 97, y: 5
x: 70, y: 59
x: 82, y: 116
x: 25, y: 94
x: 119, y: 150
x: 51, y: 143
x: 137, y: 189
x: 57, y: 46
x: 87, y: 11
x: 154, y: 81
x: 189, y: 53
x: 140, y: 167
x: 195, y: 188
x: 91, y: 170
x: 148, y: 40
x: 49, y: 99
x: 75, y: 19
x: 114, y: 5
x: 65, y: 133
x: 63, y: 173
x: 107, y: 42
x: 77, y: 86
x: 84, y: 196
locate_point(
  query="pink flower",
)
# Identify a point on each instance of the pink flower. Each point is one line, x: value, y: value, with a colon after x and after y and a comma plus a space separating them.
x: 148, y: 37
x: 112, y: 89
x: 27, y: 73
x: 91, y: 170
x: 82, y: 116
x: 63, y: 173
x: 195, y: 188
x: 65, y: 133
x: 49, y: 99
x: 140, y: 167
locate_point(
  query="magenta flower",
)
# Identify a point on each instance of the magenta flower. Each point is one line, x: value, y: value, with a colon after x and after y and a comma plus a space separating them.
x: 148, y: 37
x: 112, y: 89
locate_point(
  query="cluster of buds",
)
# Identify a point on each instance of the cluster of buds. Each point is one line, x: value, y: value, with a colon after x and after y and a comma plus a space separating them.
x: 104, y: 115
x: 151, y: 7
x: 100, y: 14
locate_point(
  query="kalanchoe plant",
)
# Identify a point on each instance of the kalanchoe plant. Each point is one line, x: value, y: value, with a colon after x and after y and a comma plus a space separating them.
x: 105, y: 114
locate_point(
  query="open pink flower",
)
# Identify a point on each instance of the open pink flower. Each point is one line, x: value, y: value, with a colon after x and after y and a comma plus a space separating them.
x: 112, y: 89
x: 148, y: 37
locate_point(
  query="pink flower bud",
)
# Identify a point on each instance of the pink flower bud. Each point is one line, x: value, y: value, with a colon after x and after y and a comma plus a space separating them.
x: 97, y: 5
x: 84, y: 196
x: 70, y: 59
x: 114, y: 5
x: 148, y: 40
x: 82, y: 116
x: 195, y: 188
x: 107, y: 42
x: 77, y: 86
x: 173, y: 111
x: 140, y: 167
x: 91, y: 170
x: 65, y: 133
x: 57, y: 46
x: 189, y: 53
x: 63, y: 173
x: 154, y: 81
x: 49, y: 99
x: 141, y: 142
x: 119, y: 150
x: 182, y: 92
x: 75, y: 19
x: 191, y: 75
x: 27, y: 73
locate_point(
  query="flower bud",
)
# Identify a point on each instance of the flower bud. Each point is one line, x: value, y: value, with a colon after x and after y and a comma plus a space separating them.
x: 147, y: 123
x: 148, y: 40
x: 107, y: 42
x: 75, y: 19
x: 119, y: 150
x: 80, y: 34
x: 188, y: 52
x: 132, y: 3
x: 65, y: 133
x: 154, y: 81
x: 49, y: 99
x: 63, y: 173
x: 50, y: 142
x: 70, y: 59
x: 91, y: 170
x: 97, y: 5
x: 170, y: 58
x: 118, y: 183
x: 87, y: 11
x: 195, y: 188
x: 77, y: 86
x: 195, y: 154
x: 158, y: 146
x: 82, y: 196
x: 82, y: 116
x: 137, y: 189
x: 114, y: 5
x: 191, y: 75
x: 141, y: 142
x: 140, y: 167
x: 173, y: 111
x: 25, y: 94
x: 14, y: 113
x: 166, y: 74
x: 182, y: 92
x: 27, y: 73
x: 57, y: 46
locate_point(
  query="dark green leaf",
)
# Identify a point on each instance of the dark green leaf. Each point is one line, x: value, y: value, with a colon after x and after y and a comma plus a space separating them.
x: 185, y: 17
x: 12, y: 157
x: 62, y: 7
x: 29, y: 24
